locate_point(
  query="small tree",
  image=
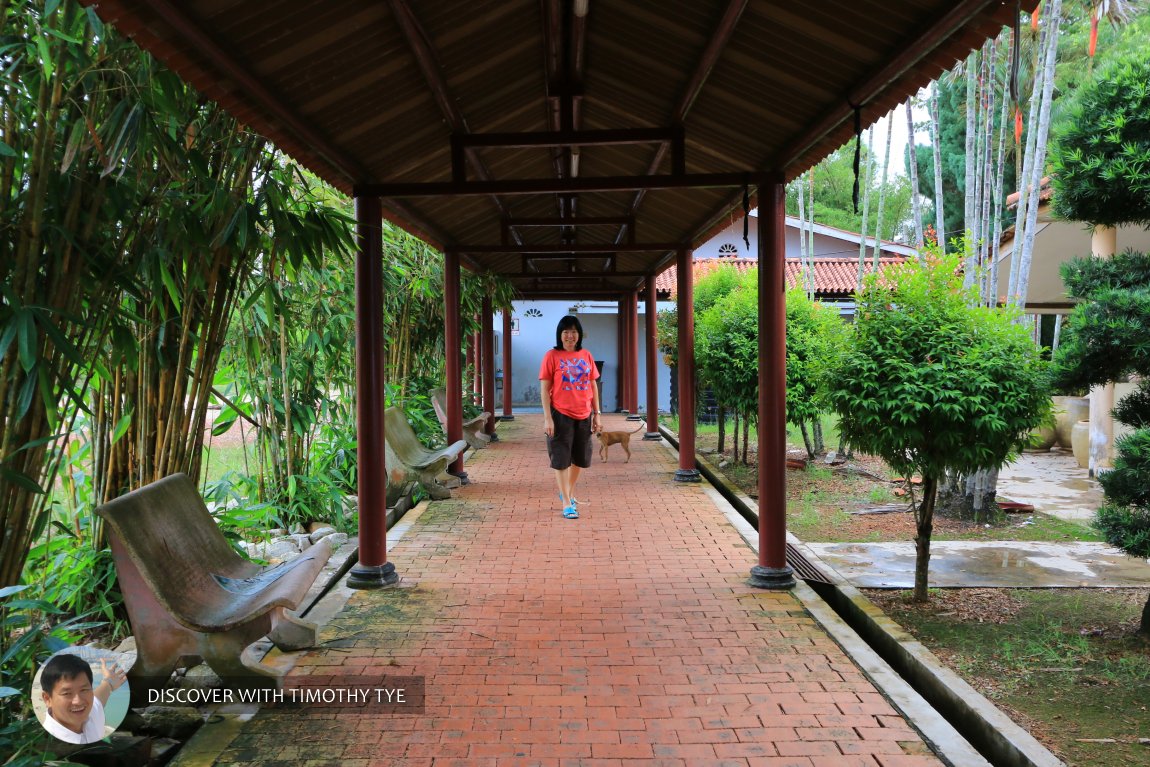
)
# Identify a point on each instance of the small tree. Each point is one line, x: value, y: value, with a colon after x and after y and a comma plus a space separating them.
x: 934, y: 383
x: 816, y: 340
x: 1101, y: 158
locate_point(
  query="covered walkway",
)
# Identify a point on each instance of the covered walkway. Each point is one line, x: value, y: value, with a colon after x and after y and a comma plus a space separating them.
x: 628, y: 636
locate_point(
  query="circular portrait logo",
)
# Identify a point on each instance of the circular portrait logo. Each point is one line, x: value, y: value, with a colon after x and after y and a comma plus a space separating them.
x: 80, y: 694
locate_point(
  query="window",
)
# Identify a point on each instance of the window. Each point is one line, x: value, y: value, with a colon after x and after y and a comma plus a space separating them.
x: 533, y: 312
x: 728, y: 250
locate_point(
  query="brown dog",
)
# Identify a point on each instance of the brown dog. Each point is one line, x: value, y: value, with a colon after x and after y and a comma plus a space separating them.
x: 608, y: 438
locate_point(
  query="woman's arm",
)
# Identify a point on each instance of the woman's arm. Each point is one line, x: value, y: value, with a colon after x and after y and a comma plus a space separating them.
x: 545, y: 398
x: 595, y: 408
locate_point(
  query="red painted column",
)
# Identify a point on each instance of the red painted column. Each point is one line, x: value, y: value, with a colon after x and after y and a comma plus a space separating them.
x: 687, y: 471
x: 772, y: 571
x: 451, y: 337
x: 487, y: 336
x: 373, y: 570
x: 507, y: 414
x: 621, y: 364
x: 633, y: 314
x: 652, y: 362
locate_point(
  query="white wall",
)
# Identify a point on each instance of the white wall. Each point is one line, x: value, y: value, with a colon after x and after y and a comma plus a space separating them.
x: 601, y: 337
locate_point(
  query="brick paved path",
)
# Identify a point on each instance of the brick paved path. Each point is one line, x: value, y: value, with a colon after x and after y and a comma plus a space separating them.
x: 625, y: 637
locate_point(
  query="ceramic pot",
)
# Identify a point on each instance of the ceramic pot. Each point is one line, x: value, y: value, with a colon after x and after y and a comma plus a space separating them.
x: 1080, y: 443
x: 1067, y: 412
x: 1041, y: 439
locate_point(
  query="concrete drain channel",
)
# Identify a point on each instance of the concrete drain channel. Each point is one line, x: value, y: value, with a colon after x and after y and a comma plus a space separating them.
x: 964, y: 727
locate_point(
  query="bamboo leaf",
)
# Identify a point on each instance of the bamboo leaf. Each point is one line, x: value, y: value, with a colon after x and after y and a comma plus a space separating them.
x: 75, y: 139
x: 24, y: 397
x: 6, y: 151
x: 49, y: 8
x: 8, y: 591
x: 170, y: 284
x: 45, y: 55
x: 20, y: 480
x: 121, y: 427
x: 26, y: 330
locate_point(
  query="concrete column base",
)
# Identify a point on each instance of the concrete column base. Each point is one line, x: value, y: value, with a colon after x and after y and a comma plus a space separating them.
x: 372, y: 576
x: 773, y: 578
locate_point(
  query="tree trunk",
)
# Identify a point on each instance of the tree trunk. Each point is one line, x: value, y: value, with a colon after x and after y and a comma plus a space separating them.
x: 1034, y: 181
x: 882, y: 194
x: 924, y: 521
x: 940, y: 222
x: 722, y: 412
x: 810, y: 286
x: 746, y: 436
x: 912, y: 167
x: 992, y: 293
x: 817, y: 434
x: 735, y: 440
x: 1144, y: 628
x: 807, y: 439
x: 969, y: 212
x: 970, y: 497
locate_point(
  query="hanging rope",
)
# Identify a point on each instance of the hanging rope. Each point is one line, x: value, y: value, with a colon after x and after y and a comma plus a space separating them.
x: 858, y: 152
x: 747, y: 214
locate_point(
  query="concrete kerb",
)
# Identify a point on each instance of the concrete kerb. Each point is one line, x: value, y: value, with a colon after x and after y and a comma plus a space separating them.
x: 937, y: 696
x: 324, y: 601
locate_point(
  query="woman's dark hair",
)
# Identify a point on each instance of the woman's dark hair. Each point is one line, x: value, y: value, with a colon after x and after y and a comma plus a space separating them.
x: 567, y: 323
x: 63, y: 666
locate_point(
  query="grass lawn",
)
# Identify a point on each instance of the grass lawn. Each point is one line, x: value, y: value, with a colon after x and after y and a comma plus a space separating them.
x: 1064, y: 663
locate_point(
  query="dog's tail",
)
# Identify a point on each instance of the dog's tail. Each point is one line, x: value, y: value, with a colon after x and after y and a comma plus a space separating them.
x: 640, y: 427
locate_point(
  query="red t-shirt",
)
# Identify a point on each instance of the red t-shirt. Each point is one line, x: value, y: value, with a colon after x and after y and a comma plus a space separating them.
x: 571, y: 375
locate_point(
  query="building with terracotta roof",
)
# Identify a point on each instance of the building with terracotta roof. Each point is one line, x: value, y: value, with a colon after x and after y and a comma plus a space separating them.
x: 835, y: 263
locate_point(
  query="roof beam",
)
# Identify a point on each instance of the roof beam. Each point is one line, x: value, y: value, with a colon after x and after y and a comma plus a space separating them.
x: 552, y: 221
x: 922, y: 44
x: 428, y: 62
x: 230, y: 67
x: 719, y: 39
x: 564, y: 138
x: 573, y: 250
x: 568, y: 275
x: 557, y: 185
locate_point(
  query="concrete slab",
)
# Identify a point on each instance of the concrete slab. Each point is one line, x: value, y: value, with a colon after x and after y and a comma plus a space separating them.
x: 971, y: 564
x: 1053, y: 483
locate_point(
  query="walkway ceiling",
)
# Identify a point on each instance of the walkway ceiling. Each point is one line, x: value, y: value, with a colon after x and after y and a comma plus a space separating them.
x: 570, y: 145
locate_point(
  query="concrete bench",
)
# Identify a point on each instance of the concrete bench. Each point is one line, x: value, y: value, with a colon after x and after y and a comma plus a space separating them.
x: 413, y: 459
x: 472, y: 428
x: 189, y: 595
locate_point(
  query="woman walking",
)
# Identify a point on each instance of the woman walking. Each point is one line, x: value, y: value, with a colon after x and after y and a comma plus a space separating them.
x: 570, y: 408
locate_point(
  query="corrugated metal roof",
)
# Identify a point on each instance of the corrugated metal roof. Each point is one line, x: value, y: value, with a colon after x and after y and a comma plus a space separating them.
x: 369, y: 92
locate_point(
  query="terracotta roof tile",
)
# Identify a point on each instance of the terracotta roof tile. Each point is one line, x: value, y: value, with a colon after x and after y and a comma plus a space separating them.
x: 834, y: 277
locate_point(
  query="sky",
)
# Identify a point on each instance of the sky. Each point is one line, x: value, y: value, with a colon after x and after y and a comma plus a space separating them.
x: 898, y: 138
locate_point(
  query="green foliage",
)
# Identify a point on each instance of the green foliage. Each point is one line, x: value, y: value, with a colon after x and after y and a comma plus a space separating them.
x: 1125, y: 527
x: 727, y: 350
x: 727, y: 346
x: 816, y: 340
x: 1100, y: 152
x: 31, y: 630
x: 934, y: 383
x: 667, y: 335
x: 1107, y: 335
x: 1126, y: 484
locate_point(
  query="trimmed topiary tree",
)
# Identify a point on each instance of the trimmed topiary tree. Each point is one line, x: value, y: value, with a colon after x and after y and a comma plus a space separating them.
x: 1101, y: 149
x: 1101, y: 175
x: 934, y: 383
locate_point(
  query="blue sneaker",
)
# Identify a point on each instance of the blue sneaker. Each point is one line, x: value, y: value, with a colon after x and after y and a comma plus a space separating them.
x: 570, y: 512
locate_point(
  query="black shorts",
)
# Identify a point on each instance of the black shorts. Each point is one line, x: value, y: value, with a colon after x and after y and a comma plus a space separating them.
x: 571, y: 443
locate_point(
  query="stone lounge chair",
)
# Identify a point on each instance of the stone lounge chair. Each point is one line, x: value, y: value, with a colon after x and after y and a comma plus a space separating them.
x: 472, y: 428
x: 407, y: 457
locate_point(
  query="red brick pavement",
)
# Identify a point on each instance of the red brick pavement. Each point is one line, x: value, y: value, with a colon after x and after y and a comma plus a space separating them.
x: 625, y: 637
